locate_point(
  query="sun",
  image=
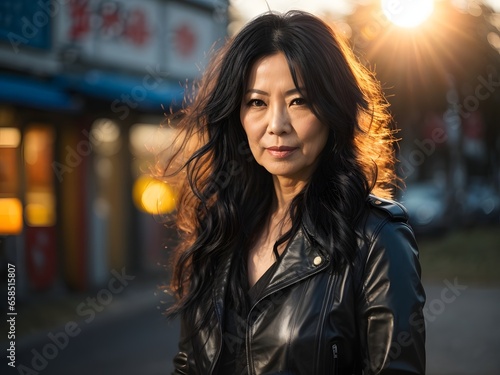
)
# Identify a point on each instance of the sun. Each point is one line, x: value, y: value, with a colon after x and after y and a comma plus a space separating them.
x: 407, y: 13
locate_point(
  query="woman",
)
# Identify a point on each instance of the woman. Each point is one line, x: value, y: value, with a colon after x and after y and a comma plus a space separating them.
x: 289, y: 264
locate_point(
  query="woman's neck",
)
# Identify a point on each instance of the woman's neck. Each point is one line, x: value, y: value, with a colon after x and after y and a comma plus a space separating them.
x: 285, y: 190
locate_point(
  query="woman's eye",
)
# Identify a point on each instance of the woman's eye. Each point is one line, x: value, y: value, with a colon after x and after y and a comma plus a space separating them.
x: 298, y: 101
x: 256, y: 103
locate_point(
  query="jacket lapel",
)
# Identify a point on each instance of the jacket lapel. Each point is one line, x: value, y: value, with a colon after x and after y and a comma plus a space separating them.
x: 299, y: 261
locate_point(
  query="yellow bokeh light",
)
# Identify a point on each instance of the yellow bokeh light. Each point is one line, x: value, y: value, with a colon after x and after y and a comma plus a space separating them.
x: 407, y: 13
x: 11, y: 216
x: 40, y: 210
x: 10, y: 137
x: 153, y: 196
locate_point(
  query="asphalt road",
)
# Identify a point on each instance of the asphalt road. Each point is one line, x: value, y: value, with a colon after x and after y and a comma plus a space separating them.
x: 129, y: 337
x: 132, y: 338
x: 463, y: 333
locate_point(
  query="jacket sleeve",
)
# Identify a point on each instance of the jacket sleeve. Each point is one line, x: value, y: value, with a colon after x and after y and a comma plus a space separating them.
x: 181, y: 359
x: 390, y: 304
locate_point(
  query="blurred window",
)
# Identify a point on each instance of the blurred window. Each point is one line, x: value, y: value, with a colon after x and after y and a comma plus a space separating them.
x: 40, y: 195
x: 11, y: 211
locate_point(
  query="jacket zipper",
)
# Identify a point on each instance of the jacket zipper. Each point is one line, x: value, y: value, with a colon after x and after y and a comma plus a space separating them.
x: 326, y: 302
x: 335, y: 353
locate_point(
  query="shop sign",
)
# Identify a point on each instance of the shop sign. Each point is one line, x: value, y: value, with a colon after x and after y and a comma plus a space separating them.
x: 135, y: 34
x: 115, y: 32
x: 191, y: 34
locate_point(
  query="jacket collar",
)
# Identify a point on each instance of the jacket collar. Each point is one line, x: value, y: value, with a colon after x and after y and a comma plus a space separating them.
x: 299, y: 261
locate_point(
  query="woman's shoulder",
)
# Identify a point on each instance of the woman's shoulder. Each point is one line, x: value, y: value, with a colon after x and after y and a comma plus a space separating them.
x: 379, y: 213
x: 392, y: 208
x: 385, y: 238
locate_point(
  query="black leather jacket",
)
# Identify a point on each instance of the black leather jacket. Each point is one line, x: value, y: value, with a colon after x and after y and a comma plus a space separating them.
x: 366, y: 319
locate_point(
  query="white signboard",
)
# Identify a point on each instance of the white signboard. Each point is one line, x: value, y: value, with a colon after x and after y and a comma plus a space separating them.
x: 174, y: 36
x: 190, y: 35
x: 115, y: 32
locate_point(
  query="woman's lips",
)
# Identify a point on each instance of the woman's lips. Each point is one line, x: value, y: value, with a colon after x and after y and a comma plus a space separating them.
x: 281, y: 151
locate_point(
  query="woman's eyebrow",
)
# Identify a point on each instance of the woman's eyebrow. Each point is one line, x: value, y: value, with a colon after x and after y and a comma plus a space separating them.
x: 295, y: 91
x: 257, y: 91
x: 288, y: 92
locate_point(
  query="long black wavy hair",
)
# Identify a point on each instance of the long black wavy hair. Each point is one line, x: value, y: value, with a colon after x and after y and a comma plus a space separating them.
x: 225, y: 196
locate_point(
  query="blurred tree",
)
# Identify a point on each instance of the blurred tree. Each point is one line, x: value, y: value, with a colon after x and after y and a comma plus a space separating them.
x: 457, y: 47
x: 416, y: 63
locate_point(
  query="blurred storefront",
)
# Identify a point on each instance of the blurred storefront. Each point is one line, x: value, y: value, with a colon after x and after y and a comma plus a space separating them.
x: 84, y: 85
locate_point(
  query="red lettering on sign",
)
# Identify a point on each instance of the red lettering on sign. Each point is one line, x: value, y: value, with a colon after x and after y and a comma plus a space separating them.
x: 80, y: 18
x: 184, y: 40
x: 136, y: 29
x: 111, y: 23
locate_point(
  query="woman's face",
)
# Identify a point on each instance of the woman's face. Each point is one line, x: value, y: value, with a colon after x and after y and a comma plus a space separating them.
x: 285, y: 137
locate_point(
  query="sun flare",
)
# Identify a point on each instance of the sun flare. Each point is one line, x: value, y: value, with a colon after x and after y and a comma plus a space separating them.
x: 407, y: 13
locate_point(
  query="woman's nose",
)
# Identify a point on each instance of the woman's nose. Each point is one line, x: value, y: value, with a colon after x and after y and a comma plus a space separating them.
x: 279, y: 121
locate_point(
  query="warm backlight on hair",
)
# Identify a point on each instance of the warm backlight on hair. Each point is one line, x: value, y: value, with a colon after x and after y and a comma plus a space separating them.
x: 407, y: 13
x: 153, y: 196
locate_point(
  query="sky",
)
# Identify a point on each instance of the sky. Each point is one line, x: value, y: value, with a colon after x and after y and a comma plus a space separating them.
x: 252, y: 8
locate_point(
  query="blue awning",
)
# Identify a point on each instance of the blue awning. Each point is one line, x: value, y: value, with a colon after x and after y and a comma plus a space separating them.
x: 34, y: 93
x: 149, y: 92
